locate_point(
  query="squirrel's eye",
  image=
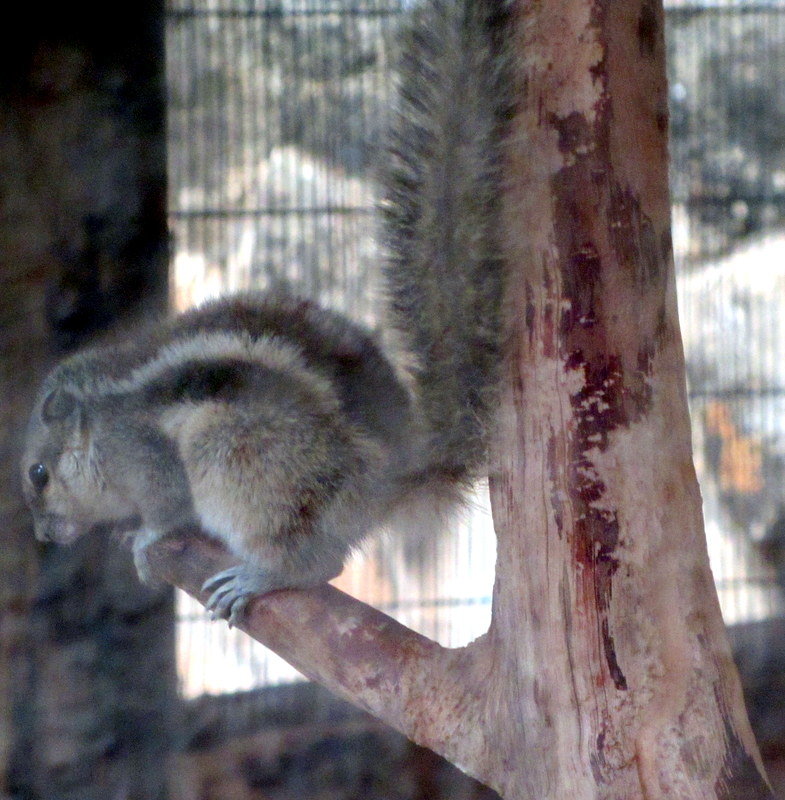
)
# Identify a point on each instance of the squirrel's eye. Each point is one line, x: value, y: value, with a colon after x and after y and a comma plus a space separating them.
x: 39, y: 476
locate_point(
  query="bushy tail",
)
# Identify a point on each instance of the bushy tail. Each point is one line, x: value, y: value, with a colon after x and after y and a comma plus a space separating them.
x: 440, y: 213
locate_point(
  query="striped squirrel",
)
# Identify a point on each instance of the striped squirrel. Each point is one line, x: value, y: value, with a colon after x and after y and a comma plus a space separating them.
x: 281, y: 428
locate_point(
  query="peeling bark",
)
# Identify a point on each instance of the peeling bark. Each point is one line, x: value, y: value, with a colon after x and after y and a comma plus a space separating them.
x: 606, y: 672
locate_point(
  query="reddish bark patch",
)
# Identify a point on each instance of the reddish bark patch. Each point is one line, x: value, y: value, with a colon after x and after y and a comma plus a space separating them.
x: 598, y: 408
x: 596, y: 540
x: 648, y: 29
x: 584, y: 269
x: 530, y: 313
x: 608, y: 400
x: 574, y: 132
x: 597, y: 759
x: 613, y: 268
x: 633, y: 238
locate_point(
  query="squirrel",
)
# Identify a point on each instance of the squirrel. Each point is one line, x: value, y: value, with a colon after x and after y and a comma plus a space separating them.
x: 281, y: 428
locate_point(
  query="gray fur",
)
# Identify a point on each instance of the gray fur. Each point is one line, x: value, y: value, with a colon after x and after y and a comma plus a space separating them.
x: 282, y: 428
x: 441, y: 214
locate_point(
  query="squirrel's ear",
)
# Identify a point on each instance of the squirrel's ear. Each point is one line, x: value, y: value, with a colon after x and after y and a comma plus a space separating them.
x: 58, y: 405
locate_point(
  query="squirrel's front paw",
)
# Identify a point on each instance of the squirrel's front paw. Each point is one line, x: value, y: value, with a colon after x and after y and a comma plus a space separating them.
x: 142, y: 541
x: 232, y: 589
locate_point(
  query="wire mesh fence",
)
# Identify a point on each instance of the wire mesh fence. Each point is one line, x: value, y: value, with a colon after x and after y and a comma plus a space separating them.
x: 726, y: 64
x: 275, y: 116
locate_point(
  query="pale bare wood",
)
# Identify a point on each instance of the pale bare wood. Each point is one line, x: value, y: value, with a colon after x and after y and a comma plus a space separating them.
x: 606, y: 672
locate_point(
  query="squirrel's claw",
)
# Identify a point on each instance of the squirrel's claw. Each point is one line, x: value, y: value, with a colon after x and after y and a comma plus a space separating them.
x: 232, y: 589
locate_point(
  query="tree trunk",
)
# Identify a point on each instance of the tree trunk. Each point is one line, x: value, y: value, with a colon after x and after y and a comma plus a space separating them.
x: 606, y: 672
x: 623, y: 671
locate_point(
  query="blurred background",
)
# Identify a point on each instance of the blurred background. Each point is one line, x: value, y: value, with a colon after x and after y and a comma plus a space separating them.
x: 154, y: 154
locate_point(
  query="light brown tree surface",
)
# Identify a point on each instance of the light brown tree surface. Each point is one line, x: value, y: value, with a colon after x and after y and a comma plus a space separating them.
x: 606, y: 672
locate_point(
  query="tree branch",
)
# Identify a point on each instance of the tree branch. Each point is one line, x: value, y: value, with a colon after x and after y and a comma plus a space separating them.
x: 362, y: 655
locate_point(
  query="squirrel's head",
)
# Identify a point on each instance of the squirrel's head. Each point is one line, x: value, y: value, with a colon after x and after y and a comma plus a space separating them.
x: 61, y: 472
